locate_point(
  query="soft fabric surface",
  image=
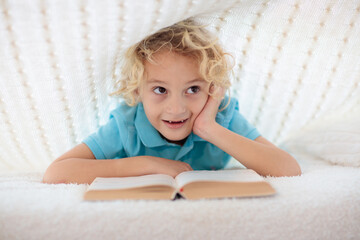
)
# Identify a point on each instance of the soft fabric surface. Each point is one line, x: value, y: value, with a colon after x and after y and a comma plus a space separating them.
x: 334, y: 138
x: 294, y: 62
x: 324, y: 203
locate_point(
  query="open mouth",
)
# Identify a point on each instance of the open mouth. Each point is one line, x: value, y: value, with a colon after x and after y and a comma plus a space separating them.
x: 175, y: 124
x: 176, y: 121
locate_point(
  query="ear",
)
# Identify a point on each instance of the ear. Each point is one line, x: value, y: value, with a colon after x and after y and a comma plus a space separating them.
x: 211, y: 86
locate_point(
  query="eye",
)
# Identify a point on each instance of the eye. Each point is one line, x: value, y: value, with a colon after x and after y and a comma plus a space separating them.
x: 159, y: 90
x: 193, y: 89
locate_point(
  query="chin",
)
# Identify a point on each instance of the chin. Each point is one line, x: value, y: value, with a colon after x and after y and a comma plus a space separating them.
x: 176, y: 139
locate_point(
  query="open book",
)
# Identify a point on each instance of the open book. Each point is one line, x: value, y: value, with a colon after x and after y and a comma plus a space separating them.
x: 189, y: 185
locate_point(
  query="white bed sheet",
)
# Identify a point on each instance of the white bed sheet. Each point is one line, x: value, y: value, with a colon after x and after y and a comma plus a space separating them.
x: 323, y: 203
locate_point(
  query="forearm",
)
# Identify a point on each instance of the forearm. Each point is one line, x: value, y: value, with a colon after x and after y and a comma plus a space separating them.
x: 76, y: 170
x: 262, y: 158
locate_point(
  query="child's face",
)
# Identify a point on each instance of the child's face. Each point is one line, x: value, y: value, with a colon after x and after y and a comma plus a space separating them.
x: 173, y: 94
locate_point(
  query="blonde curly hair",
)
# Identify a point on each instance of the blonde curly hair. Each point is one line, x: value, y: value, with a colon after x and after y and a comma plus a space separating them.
x: 185, y: 38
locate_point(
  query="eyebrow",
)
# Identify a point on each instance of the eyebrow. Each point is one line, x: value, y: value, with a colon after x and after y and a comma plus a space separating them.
x: 196, y: 80
x: 155, y: 81
x: 163, y: 82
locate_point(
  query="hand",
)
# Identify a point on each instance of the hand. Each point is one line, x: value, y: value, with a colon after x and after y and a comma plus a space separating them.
x: 166, y: 166
x: 206, y: 119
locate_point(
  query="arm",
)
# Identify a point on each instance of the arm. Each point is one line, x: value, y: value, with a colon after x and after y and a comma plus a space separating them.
x: 260, y: 155
x: 80, y: 166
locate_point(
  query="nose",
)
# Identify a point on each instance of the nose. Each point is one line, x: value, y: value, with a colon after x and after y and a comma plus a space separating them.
x: 176, y: 105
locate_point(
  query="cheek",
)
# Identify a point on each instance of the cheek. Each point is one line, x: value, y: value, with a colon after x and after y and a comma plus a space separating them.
x: 149, y: 110
x: 200, y: 104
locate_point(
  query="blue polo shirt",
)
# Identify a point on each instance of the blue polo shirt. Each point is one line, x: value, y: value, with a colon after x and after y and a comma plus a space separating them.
x: 129, y: 133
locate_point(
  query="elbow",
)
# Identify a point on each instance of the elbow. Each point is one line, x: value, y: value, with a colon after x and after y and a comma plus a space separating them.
x: 297, y: 170
x: 50, y: 180
x: 285, y: 166
x: 293, y: 172
x: 291, y: 168
x: 53, y: 176
x: 287, y: 172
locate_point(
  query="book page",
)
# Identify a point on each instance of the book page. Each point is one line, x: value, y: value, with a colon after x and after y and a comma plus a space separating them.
x: 237, y: 175
x: 131, y: 182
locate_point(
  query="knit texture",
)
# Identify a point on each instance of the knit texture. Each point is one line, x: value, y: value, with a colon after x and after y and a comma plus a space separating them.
x: 297, y: 67
x: 333, y: 138
x: 294, y: 62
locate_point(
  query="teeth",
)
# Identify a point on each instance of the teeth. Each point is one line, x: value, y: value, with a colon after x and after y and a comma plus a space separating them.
x: 177, y: 121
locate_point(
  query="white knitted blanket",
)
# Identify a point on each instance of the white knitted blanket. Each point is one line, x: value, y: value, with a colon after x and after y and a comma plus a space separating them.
x: 296, y: 77
x: 296, y: 61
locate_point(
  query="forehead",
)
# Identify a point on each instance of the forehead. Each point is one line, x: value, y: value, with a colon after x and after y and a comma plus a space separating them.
x: 168, y: 62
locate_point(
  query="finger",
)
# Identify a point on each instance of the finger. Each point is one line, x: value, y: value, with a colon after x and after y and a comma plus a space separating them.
x: 190, y: 168
x: 217, y: 92
x: 187, y: 167
x: 215, y: 99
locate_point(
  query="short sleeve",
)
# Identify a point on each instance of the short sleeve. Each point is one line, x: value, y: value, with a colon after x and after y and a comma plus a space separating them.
x: 241, y: 126
x: 107, y: 142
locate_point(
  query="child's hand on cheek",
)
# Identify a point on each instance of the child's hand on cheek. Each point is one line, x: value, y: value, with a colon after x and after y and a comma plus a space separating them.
x: 206, y: 119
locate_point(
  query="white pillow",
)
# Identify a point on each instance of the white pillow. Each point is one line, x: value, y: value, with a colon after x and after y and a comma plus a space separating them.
x: 334, y: 138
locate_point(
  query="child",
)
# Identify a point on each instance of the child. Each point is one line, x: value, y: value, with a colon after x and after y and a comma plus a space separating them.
x: 175, y: 119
